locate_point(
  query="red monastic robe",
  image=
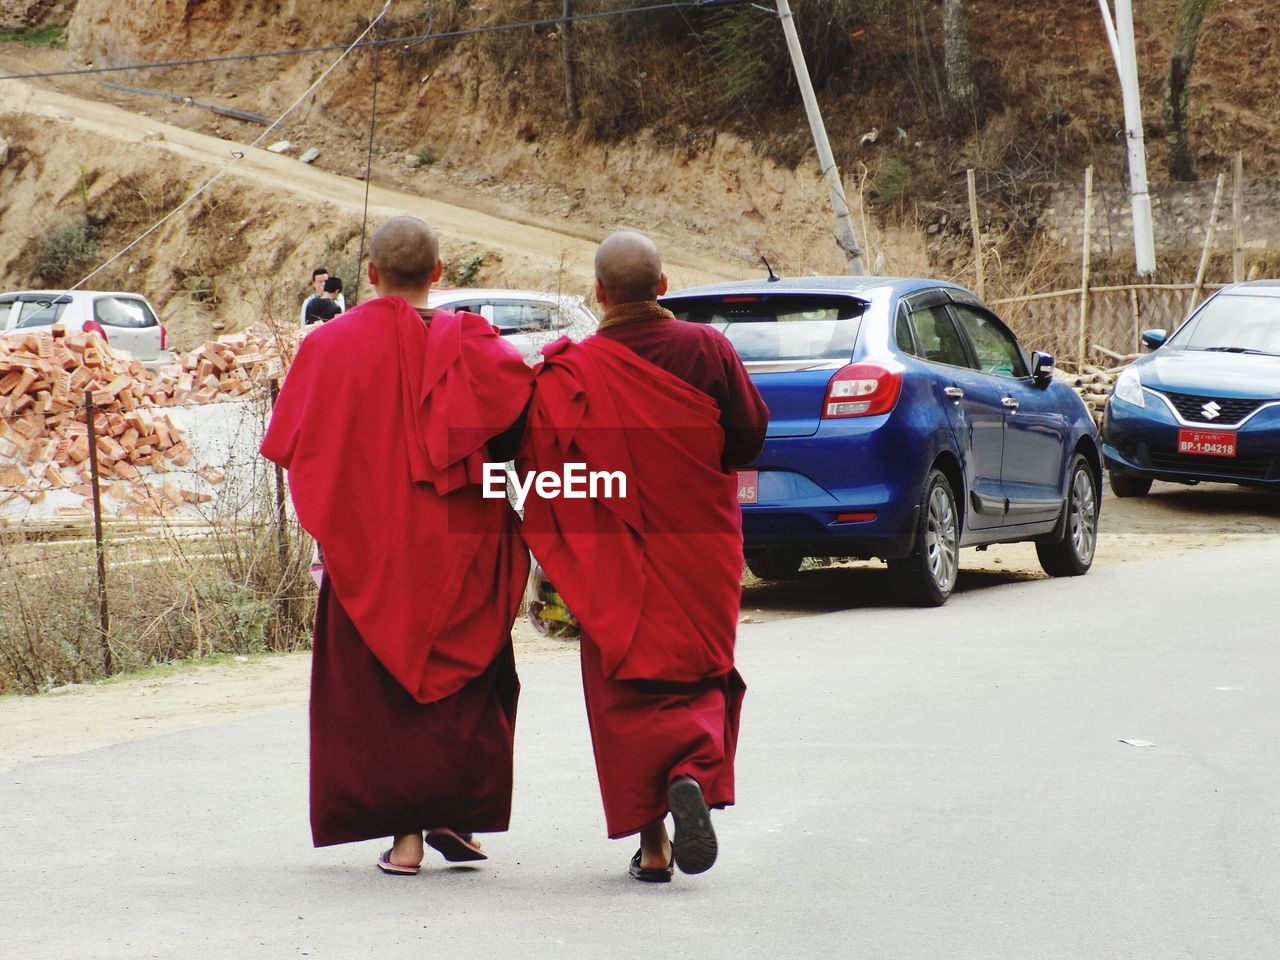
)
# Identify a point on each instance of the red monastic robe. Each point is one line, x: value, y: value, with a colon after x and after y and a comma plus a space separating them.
x: 654, y: 578
x: 382, y: 424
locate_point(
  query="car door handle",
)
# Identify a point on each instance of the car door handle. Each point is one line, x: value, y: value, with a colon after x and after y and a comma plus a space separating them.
x: 1010, y: 403
x: 955, y: 393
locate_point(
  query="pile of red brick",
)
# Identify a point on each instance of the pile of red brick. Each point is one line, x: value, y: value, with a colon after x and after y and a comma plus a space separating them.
x: 231, y: 366
x: 44, y: 437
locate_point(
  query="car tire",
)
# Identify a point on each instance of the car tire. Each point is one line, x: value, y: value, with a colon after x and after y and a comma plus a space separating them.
x: 775, y: 566
x: 927, y: 576
x: 1127, y: 485
x: 1071, y: 555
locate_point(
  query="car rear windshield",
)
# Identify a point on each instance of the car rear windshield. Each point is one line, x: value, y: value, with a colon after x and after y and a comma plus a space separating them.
x: 41, y: 313
x: 1233, y: 323
x: 779, y: 326
x: 123, y: 312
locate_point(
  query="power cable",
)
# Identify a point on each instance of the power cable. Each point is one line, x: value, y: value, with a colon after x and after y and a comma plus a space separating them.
x: 236, y: 157
x: 389, y: 41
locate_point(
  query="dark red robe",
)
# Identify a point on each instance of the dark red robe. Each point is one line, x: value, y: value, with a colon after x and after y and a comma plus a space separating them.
x: 382, y: 424
x: 654, y: 578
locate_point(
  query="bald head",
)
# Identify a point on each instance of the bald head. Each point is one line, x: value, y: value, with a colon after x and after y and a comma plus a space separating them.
x: 403, y: 255
x: 628, y: 269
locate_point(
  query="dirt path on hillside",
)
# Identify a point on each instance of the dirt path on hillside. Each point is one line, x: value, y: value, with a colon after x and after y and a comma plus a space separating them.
x: 556, y: 246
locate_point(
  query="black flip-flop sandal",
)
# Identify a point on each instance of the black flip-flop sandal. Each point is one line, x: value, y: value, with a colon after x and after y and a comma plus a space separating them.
x: 694, y: 848
x: 650, y: 874
x: 454, y: 847
x: 394, y: 869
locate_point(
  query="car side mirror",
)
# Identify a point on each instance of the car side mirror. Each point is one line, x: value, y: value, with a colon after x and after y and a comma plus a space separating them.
x: 1154, y: 339
x: 1041, y: 368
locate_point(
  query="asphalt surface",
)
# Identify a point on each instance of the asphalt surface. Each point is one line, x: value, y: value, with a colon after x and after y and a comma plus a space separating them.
x: 912, y: 784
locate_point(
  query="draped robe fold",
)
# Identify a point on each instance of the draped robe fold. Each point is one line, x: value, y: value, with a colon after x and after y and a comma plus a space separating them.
x: 654, y: 577
x: 383, y: 423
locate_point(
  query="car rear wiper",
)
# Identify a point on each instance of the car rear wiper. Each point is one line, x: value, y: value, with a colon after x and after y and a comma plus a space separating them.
x: 1262, y: 353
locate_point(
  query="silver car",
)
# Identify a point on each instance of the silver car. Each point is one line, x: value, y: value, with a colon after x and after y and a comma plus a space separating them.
x: 127, y: 321
x: 529, y: 319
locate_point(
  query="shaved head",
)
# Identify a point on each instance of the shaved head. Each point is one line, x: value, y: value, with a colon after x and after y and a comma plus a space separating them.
x: 629, y: 268
x: 404, y: 251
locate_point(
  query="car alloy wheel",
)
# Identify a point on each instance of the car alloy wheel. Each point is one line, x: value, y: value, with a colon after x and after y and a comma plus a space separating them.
x: 926, y: 576
x: 1083, y: 520
x: 1069, y: 553
x: 941, y: 537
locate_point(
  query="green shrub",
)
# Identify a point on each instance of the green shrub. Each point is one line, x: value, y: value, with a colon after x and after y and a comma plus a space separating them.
x: 467, y: 271
x: 749, y: 52
x: 66, y: 252
x: 199, y: 289
x: 36, y: 36
x: 891, y: 179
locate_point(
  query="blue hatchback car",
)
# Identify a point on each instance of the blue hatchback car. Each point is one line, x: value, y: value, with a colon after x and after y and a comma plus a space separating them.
x: 906, y: 422
x: 1205, y: 405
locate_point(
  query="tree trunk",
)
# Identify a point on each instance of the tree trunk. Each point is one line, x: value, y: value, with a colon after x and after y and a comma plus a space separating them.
x: 958, y: 57
x: 570, y: 66
x: 1190, y: 17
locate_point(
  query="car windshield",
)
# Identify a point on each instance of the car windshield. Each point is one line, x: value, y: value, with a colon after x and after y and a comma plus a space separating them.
x: 1233, y: 323
x: 779, y: 326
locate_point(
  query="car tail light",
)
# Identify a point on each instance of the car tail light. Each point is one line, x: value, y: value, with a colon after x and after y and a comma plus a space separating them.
x: 862, y: 390
x: 164, y: 335
x: 93, y: 326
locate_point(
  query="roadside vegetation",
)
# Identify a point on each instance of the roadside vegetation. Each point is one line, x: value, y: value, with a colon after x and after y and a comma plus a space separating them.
x: 231, y: 583
x: 42, y: 36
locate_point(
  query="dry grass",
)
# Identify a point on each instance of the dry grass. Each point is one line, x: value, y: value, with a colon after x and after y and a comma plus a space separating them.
x: 238, y: 584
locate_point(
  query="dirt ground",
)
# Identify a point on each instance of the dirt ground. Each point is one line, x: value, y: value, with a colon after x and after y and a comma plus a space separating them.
x: 1172, y: 520
x: 79, y: 718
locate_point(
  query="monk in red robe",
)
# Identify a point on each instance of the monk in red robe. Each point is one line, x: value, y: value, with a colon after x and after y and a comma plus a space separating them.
x: 384, y: 424
x: 652, y: 571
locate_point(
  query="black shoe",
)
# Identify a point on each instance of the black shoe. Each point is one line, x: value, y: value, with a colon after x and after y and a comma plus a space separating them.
x: 650, y: 874
x: 694, y: 847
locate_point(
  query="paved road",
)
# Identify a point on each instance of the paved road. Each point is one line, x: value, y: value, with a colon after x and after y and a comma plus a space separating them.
x: 913, y: 784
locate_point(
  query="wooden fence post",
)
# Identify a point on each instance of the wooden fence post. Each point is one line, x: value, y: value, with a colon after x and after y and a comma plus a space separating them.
x: 282, y: 530
x: 104, y: 616
x: 1084, y: 266
x: 1208, y: 244
x: 1137, y: 319
x: 1237, y: 216
x: 979, y: 272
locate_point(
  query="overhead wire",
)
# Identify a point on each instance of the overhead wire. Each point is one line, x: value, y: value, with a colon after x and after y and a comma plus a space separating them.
x: 386, y: 42
x: 236, y: 157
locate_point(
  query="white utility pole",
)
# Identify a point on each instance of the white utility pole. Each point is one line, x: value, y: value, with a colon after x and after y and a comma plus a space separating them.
x: 845, y: 235
x: 1124, y: 50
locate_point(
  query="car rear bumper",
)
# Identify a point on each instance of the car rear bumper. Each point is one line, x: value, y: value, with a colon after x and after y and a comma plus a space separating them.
x: 808, y: 486
x: 1143, y: 441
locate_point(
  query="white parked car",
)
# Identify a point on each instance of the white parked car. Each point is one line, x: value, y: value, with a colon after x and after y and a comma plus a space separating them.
x: 127, y: 321
x: 527, y: 318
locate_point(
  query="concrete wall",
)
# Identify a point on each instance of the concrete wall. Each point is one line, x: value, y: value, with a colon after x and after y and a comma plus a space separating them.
x: 1180, y: 212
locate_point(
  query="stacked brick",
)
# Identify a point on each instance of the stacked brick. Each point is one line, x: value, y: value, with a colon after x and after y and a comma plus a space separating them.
x: 229, y: 367
x: 44, y: 439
